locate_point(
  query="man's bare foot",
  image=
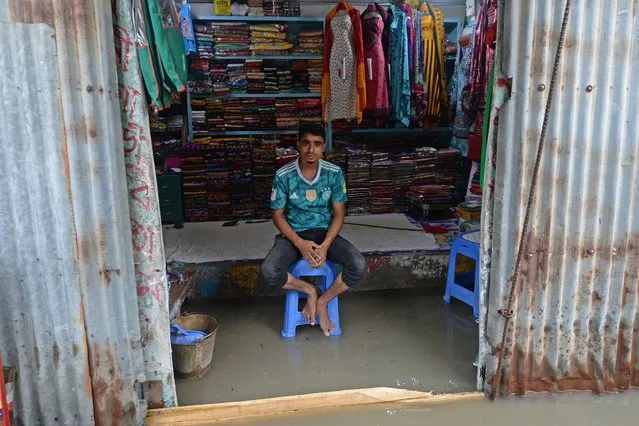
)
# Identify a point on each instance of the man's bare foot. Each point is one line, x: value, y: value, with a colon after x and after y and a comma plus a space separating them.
x: 310, y: 309
x: 325, y: 322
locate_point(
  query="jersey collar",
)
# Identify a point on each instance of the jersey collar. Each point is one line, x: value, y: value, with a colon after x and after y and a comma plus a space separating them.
x: 301, y: 175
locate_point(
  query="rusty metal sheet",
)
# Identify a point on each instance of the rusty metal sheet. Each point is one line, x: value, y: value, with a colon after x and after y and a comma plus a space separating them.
x: 575, y: 324
x: 68, y: 310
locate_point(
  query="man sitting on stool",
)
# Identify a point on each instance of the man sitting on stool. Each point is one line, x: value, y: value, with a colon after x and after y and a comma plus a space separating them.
x: 308, y: 209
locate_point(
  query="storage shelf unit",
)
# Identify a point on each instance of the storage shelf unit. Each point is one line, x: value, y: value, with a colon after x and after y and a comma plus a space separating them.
x: 300, y: 19
x: 393, y: 131
x: 294, y: 21
x: 263, y: 95
x: 246, y: 133
x: 268, y: 57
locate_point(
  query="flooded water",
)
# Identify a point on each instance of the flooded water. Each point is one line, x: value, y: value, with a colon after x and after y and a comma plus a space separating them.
x: 405, y: 339
x: 570, y: 410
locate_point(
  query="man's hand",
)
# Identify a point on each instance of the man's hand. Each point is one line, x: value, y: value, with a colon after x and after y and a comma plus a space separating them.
x: 320, y: 255
x: 309, y: 251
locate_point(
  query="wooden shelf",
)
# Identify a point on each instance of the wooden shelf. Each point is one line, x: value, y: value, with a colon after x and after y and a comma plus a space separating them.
x: 259, y: 95
x: 300, y: 19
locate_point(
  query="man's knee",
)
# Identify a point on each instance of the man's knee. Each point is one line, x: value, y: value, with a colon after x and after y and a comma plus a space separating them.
x: 355, y: 270
x: 360, y: 266
x: 272, y: 273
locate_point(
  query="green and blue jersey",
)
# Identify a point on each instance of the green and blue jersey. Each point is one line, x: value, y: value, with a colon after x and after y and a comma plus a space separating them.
x: 308, y: 204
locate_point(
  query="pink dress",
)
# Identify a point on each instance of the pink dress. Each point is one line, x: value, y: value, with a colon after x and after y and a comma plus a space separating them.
x: 377, y: 105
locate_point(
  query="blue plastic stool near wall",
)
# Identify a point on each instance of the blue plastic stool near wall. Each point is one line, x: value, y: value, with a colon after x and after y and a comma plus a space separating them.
x: 466, y: 245
x: 293, y: 318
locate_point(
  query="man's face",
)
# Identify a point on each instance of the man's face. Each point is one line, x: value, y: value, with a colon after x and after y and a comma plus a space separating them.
x: 311, y: 147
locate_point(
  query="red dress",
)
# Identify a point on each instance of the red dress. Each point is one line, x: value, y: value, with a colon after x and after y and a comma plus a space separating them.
x: 377, y: 105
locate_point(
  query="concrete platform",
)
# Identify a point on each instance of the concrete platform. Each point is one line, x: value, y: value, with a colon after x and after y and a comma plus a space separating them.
x: 210, y: 242
x: 225, y: 260
x: 409, y: 339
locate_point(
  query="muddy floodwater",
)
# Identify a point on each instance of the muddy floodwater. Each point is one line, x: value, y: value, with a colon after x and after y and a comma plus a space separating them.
x: 569, y: 410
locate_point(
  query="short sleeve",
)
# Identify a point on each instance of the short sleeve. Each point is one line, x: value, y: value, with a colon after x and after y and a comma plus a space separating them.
x: 338, y: 190
x: 278, y: 193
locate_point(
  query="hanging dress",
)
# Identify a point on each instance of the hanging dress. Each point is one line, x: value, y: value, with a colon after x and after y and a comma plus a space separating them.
x: 482, y: 61
x: 410, y: 33
x: 399, y: 65
x: 343, y: 79
x: 434, y: 38
x: 419, y: 100
x: 375, y: 62
x: 463, y: 117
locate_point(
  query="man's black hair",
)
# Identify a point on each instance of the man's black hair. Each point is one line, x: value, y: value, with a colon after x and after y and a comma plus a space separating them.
x: 312, y: 129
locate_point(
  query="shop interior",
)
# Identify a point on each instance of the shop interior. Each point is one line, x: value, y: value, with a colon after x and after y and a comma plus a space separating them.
x: 413, y: 171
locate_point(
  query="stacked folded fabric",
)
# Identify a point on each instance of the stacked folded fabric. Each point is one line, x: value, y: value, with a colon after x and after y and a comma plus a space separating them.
x: 233, y: 114
x: 285, y: 154
x: 309, y: 110
x: 300, y: 78
x: 163, y: 148
x: 202, y: 140
x: 215, y: 114
x: 254, y: 75
x: 217, y: 178
x: 285, y: 114
x: 231, y: 39
x: 198, y: 115
x: 269, y: 40
x: 358, y: 181
x: 200, y: 76
x: 239, y: 7
x: 425, y: 165
x: 237, y: 77
x: 315, y: 76
x: 403, y: 175
x: 309, y: 42
x: 256, y: 8
x: 281, y: 7
x: 288, y: 141
x: 158, y: 124
x: 272, y: 7
x: 204, y: 40
x: 174, y: 122
x: 381, y: 183
x: 431, y: 201
x: 475, y: 186
x: 284, y: 80
x: 291, y: 8
x: 194, y: 183
x: 339, y: 159
x: 270, y: 80
x: 263, y: 156
x: 266, y: 113
x: 250, y: 114
x: 448, y: 167
x: 238, y: 156
x: 219, y: 78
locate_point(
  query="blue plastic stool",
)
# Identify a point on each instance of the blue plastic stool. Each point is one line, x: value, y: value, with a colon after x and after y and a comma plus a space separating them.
x: 467, y: 245
x: 292, y: 316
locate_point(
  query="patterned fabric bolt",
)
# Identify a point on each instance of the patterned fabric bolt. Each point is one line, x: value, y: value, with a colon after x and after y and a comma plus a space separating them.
x: 148, y: 250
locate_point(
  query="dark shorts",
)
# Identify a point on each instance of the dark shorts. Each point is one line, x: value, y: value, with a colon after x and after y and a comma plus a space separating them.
x: 284, y: 254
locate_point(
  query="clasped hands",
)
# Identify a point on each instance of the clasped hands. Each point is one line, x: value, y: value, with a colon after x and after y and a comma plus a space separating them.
x: 315, y: 254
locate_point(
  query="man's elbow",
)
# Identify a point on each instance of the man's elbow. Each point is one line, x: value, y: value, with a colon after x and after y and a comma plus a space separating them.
x: 277, y: 216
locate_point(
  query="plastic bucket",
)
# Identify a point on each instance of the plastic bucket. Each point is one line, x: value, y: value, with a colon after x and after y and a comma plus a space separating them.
x: 193, y: 361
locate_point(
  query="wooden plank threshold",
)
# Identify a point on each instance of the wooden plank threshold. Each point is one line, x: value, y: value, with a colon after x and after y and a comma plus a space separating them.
x: 211, y: 413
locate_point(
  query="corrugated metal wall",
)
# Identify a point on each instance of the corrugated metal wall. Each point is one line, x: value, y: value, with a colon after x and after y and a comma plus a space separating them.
x: 68, y: 304
x: 576, y: 316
